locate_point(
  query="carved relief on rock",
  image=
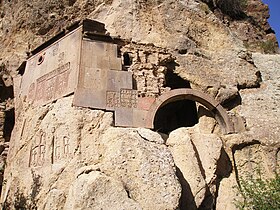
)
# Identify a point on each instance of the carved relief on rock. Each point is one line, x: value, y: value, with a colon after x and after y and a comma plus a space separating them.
x: 38, y: 150
x: 62, y: 148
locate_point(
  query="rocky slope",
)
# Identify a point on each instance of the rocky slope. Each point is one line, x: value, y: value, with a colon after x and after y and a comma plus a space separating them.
x: 216, y: 50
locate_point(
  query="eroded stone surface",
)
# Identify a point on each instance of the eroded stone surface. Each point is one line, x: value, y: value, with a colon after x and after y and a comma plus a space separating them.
x: 95, y: 190
x: 201, y: 164
x: 145, y: 168
x: 133, y: 160
x: 189, y: 167
x: 207, y: 49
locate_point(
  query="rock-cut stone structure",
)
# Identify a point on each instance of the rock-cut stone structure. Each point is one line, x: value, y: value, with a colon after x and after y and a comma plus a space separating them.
x: 83, y: 60
x: 167, y: 107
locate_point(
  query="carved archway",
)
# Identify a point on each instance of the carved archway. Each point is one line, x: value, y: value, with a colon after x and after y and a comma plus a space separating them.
x: 185, y: 93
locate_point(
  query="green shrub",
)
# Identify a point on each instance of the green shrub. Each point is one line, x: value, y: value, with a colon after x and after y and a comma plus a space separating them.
x: 259, y: 193
x: 268, y: 46
x: 232, y: 8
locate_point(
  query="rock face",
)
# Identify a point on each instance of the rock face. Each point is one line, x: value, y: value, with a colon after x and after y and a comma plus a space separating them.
x: 128, y: 168
x: 170, y: 44
x: 98, y: 191
x: 201, y: 164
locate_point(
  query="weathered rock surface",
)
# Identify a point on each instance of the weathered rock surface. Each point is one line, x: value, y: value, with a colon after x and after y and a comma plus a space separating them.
x: 198, y: 157
x: 228, y: 194
x: 260, y: 106
x: 98, y: 191
x: 115, y: 167
x: 133, y: 168
x: 189, y: 168
x: 146, y: 169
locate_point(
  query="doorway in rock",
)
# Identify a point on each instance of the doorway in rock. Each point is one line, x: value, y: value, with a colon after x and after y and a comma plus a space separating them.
x: 176, y: 114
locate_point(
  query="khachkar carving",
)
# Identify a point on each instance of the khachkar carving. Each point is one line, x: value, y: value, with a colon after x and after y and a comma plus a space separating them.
x: 51, y: 85
x: 128, y: 98
x: 38, y: 150
x: 113, y: 99
x: 61, y: 148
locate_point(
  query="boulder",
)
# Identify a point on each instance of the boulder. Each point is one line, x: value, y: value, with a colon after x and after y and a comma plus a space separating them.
x: 145, y: 168
x: 95, y: 190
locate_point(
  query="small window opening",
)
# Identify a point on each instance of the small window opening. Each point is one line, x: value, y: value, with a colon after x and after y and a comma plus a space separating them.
x: 126, y: 59
x: 40, y: 59
x: 174, y: 81
x: 182, y: 113
x: 71, y: 2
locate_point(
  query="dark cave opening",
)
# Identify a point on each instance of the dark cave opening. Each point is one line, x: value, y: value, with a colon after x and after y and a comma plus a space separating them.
x: 6, y: 92
x: 9, y: 124
x: 174, y: 81
x: 181, y: 113
x: 127, y: 61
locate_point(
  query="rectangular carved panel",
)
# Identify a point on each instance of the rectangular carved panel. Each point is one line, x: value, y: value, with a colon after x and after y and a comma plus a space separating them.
x: 128, y: 98
x: 51, y: 85
x: 61, y: 149
x: 112, y: 99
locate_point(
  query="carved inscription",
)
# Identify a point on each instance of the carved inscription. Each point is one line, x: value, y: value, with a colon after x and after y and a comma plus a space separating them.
x: 113, y: 99
x: 38, y: 150
x: 52, y: 84
x: 66, y: 146
x: 128, y: 98
x: 50, y: 91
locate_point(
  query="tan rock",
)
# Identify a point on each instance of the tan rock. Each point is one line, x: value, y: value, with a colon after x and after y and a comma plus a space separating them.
x: 207, y: 123
x: 202, y: 163
x: 208, y: 147
x: 146, y: 169
x: 95, y: 190
x: 255, y: 159
x: 55, y: 200
x: 149, y: 135
x: 136, y: 158
x: 189, y: 168
x: 227, y: 195
x: 260, y: 106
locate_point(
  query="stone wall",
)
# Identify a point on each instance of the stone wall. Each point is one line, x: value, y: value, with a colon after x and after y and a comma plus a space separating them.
x: 149, y: 65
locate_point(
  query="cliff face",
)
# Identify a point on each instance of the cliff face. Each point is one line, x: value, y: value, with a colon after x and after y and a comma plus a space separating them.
x: 216, y: 47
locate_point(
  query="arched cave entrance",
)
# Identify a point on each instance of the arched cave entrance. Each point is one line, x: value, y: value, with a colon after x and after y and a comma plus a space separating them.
x: 182, y: 102
x: 176, y: 114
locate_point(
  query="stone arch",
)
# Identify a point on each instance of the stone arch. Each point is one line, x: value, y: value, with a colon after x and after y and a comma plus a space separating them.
x: 185, y: 93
